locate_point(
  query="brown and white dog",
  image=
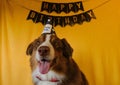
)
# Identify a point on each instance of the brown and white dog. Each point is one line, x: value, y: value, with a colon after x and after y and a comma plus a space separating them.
x: 52, y: 63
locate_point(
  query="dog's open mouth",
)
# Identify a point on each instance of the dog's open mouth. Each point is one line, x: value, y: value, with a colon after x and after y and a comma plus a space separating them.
x: 44, y: 66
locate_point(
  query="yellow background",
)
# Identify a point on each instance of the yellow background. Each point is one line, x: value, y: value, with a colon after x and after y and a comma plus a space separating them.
x: 96, y: 44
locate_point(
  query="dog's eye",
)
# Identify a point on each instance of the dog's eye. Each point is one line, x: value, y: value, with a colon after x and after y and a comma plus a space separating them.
x: 58, y: 45
x: 38, y: 43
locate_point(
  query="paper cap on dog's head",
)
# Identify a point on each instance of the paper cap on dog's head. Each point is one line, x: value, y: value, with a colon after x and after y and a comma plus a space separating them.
x: 48, y: 29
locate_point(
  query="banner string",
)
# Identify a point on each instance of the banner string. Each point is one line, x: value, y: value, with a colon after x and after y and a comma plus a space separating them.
x: 101, y: 4
x: 57, y: 1
x: 84, y: 0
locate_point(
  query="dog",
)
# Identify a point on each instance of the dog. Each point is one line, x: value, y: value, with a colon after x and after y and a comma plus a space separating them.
x: 52, y: 63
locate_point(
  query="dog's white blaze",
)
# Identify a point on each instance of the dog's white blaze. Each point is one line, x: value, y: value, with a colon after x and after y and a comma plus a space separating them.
x: 46, y: 43
x: 45, y: 78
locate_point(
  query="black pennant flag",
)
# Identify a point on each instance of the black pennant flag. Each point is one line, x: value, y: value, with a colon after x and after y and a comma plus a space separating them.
x: 62, y: 7
x: 61, y: 20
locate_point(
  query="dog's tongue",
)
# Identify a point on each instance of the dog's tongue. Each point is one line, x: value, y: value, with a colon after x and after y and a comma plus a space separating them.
x: 44, y: 67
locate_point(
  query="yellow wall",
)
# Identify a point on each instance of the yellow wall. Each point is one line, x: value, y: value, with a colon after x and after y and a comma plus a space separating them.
x: 96, y: 44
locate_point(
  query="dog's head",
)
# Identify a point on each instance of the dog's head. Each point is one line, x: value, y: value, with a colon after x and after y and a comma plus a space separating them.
x: 46, y: 49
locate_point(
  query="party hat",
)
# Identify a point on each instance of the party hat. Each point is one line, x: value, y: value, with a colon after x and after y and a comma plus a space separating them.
x: 48, y: 29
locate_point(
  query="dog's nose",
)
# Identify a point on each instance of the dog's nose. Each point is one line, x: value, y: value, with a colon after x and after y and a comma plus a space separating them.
x: 44, y: 50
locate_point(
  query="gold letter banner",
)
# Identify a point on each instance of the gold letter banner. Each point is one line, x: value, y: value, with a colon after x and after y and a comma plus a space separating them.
x: 62, y: 7
x: 61, y: 20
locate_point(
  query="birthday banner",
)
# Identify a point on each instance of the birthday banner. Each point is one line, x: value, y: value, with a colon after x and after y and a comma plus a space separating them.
x: 61, y: 20
x: 62, y: 7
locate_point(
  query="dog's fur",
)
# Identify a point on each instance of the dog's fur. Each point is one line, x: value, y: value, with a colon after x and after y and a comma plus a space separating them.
x: 63, y: 70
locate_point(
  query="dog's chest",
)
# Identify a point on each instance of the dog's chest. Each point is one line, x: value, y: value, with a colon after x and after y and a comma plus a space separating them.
x: 47, y: 83
x: 51, y: 78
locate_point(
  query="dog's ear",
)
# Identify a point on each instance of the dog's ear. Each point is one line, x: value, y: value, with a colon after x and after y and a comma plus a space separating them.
x: 67, y: 49
x: 29, y: 49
